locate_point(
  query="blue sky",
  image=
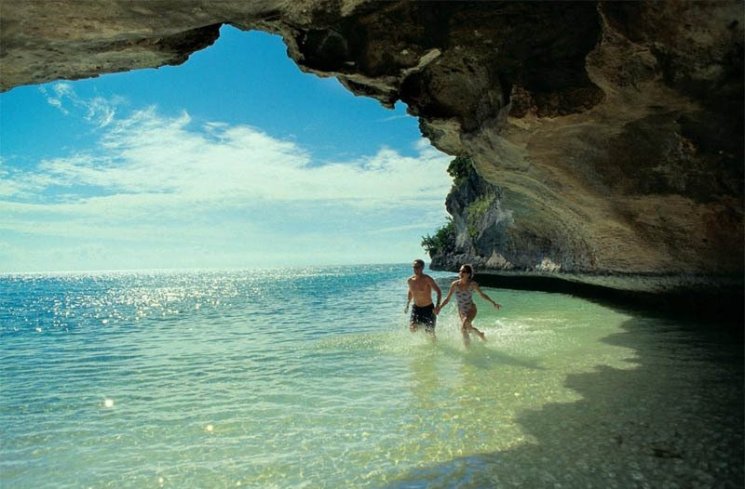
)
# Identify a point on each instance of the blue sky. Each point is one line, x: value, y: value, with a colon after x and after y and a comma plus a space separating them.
x: 234, y: 159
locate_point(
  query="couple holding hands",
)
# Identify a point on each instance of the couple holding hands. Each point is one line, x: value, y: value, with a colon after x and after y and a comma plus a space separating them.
x: 424, y: 312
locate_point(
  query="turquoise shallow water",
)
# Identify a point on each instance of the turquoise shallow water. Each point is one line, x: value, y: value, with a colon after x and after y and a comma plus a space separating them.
x: 309, y: 378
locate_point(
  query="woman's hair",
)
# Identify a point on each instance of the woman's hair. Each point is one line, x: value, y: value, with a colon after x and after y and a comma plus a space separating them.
x: 469, y: 269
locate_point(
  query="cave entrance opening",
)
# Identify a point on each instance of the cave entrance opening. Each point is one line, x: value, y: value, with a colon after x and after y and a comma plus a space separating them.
x: 234, y: 159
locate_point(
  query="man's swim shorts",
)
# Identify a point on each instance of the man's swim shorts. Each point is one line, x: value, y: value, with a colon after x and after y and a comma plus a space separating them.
x: 425, y: 316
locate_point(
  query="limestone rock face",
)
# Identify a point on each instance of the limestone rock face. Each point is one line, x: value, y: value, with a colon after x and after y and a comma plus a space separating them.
x: 608, y: 136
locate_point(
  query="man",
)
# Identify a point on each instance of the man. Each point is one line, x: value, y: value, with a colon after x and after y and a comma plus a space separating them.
x: 420, y: 290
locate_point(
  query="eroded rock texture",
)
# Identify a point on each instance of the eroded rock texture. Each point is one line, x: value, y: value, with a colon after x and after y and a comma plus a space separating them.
x: 608, y: 136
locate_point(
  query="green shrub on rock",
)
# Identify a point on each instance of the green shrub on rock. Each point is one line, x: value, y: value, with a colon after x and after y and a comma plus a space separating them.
x: 442, y: 241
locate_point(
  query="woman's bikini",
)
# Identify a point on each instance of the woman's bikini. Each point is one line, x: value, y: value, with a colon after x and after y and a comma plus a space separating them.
x: 464, y: 298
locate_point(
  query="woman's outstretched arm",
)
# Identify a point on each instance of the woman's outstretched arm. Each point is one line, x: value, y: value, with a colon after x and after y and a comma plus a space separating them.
x: 486, y: 297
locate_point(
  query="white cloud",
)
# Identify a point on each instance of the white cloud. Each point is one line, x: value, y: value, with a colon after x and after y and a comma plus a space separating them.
x: 148, y: 159
x: 162, y: 187
x: 98, y: 110
x: 54, y: 100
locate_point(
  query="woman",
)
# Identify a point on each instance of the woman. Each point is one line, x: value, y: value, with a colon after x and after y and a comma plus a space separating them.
x: 463, y: 289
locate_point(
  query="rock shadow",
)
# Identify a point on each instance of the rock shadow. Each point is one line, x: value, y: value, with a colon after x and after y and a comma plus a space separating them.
x: 673, y: 419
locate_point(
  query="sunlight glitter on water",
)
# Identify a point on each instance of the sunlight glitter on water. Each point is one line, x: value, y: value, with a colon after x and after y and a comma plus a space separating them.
x: 311, y: 379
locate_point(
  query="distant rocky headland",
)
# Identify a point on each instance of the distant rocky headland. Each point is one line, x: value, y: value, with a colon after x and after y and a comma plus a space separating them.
x: 590, y: 139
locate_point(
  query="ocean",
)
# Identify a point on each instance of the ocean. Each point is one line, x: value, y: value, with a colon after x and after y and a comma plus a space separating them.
x: 309, y: 378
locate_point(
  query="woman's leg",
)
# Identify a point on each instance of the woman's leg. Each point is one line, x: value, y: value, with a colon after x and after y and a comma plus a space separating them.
x: 471, y: 316
x: 481, y: 335
x: 465, y: 326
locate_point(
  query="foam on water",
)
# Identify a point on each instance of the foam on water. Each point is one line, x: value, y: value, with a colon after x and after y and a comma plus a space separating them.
x: 310, y: 378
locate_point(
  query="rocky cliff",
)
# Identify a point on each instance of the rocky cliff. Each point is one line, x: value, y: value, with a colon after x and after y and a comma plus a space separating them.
x: 606, y: 138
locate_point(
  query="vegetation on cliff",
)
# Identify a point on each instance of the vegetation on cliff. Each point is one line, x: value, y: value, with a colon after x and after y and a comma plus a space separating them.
x: 459, y: 169
x: 475, y: 213
x: 442, y: 242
